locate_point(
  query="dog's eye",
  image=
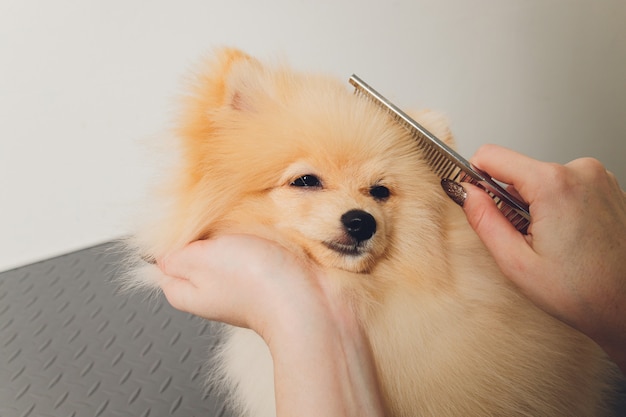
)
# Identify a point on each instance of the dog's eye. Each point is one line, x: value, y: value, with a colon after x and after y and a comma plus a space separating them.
x: 307, y: 181
x: 380, y: 192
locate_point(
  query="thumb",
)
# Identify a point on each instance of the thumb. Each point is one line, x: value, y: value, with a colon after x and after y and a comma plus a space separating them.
x: 505, y: 243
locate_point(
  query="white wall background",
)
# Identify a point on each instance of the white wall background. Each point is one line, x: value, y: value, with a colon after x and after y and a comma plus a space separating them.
x: 83, y: 83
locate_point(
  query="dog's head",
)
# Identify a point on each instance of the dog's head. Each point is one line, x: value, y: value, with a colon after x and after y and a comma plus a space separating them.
x: 301, y: 160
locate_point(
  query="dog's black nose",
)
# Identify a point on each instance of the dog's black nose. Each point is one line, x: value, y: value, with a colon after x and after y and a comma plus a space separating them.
x: 359, y: 224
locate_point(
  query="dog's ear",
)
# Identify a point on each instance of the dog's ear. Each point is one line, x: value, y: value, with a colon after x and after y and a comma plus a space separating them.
x: 244, y: 83
x: 244, y: 86
x: 224, y: 79
x: 437, y: 124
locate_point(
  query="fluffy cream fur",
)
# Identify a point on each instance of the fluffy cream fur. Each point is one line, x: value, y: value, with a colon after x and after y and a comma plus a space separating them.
x: 450, y: 335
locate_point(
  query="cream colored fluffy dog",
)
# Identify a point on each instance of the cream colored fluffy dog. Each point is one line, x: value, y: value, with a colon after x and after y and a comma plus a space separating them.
x: 299, y: 159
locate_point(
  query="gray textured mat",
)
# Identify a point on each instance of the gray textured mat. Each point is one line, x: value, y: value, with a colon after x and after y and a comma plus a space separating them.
x: 71, y: 345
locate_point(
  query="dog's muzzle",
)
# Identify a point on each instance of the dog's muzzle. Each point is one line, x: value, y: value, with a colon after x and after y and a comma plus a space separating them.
x: 359, y: 226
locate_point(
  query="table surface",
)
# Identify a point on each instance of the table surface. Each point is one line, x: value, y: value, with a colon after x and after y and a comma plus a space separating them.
x: 71, y: 344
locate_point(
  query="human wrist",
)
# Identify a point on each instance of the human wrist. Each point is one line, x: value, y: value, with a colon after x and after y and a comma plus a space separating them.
x: 335, y: 365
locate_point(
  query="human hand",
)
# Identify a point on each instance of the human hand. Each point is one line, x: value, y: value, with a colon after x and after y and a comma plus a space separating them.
x: 241, y: 280
x: 322, y: 359
x: 572, y: 263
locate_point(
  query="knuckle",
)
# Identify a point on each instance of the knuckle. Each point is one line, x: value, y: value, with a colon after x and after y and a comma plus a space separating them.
x: 590, y: 173
x: 589, y: 168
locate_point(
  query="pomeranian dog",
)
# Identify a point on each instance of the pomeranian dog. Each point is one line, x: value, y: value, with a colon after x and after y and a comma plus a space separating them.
x: 301, y: 160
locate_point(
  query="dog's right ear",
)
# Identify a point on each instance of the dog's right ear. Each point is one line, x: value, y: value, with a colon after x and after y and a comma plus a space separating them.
x: 245, y: 82
x: 229, y: 79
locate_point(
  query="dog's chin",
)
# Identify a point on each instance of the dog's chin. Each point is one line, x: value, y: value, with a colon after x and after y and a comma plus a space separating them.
x: 351, y: 257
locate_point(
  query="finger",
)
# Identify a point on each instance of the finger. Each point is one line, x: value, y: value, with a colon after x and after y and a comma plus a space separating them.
x: 506, y: 244
x: 180, y: 293
x: 206, y: 302
x: 505, y: 165
x: 185, y: 262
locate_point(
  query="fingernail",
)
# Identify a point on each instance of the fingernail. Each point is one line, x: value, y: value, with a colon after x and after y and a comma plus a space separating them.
x: 454, y: 190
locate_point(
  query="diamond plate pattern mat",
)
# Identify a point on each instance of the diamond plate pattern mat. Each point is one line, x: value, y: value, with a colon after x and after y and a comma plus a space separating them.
x: 72, y: 345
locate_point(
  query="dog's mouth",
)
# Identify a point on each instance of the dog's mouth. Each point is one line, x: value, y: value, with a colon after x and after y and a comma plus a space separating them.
x: 353, y: 249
